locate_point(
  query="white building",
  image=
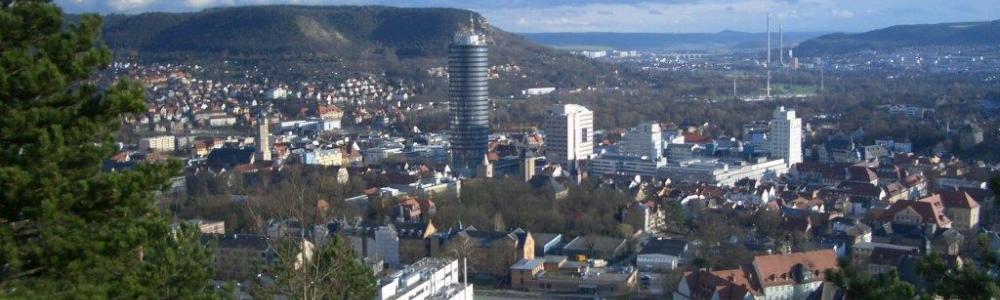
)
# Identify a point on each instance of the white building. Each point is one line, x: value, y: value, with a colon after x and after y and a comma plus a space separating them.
x: 645, y: 140
x: 165, y: 143
x: 429, y: 278
x: 538, y: 91
x: 568, y: 134
x: 224, y: 121
x: 661, y: 255
x: 786, y: 136
x: 718, y: 172
x: 594, y: 53
x: 330, y: 116
x: 331, y: 124
x: 277, y: 93
x: 387, y: 245
x: 771, y: 277
x: 323, y: 157
x: 375, y: 155
x: 263, y: 138
x: 610, y: 164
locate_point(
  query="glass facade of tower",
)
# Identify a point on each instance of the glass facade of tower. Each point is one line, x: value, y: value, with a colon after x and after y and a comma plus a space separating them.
x: 469, y: 114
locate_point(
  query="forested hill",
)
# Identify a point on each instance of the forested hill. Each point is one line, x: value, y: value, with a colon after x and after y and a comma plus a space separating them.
x: 376, y: 37
x: 288, y: 30
x: 944, y: 34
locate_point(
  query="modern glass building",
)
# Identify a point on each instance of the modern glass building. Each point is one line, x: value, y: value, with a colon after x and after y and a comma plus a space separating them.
x: 468, y: 72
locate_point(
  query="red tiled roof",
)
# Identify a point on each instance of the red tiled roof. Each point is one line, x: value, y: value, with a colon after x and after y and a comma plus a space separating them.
x: 120, y: 157
x: 857, y: 173
x: 782, y: 269
x: 979, y: 195
x: 694, y: 138
x: 728, y: 284
x: 830, y: 171
x: 930, y: 208
x: 328, y: 109
x: 958, y: 199
x: 860, y: 189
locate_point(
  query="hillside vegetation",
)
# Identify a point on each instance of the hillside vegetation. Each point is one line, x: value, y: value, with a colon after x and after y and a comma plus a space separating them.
x: 357, y: 38
x: 945, y: 34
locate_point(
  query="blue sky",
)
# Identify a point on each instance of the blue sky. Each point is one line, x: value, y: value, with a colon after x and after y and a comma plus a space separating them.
x: 639, y: 15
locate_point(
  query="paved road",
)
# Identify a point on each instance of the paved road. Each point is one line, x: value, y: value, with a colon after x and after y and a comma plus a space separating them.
x: 655, y: 286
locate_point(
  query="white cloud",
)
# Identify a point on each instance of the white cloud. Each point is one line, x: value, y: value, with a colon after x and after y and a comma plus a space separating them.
x: 843, y: 14
x: 127, y: 5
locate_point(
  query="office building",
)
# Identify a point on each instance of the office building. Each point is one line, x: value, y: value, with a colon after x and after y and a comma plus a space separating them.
x: 263, y: 138
x: 468, y: 68
x: 568, y: 134
x: 786, y: 136
x: 645, y: 140
x: 721, y: 172
x: 429, y: 278
x: 611, y: 164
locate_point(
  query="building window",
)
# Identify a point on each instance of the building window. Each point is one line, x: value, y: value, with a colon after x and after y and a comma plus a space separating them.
x: 586, y: 135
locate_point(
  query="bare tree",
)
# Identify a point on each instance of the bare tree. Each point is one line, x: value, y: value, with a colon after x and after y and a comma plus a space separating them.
x: 301, y: 269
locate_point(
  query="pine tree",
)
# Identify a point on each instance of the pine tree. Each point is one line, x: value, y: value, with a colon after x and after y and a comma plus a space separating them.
x: 970, y: 280
x: 68, y: 230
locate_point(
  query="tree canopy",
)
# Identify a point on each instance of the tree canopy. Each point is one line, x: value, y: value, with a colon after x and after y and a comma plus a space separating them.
x: 67, y: 229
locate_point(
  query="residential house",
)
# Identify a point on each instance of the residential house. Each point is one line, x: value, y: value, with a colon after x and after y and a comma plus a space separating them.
x: 643, y: 215
x: 239, y: 257
x: 396, y: 243
x: 884, y: 260
x: 878, y: 258
x: 929, y: 210
x: 793, y: 275
x: 732, y: 284
x: 408, y: 209
x: 961, y: 208
x: 493, y: 251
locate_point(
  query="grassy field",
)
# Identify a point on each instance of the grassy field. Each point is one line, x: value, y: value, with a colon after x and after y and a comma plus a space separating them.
x: 793, y: 89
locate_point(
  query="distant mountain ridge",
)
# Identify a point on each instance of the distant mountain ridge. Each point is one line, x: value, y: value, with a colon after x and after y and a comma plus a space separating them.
x: 667, y: 41
x: 900, y: 36
x: 365, y: 38
x: 287, y: 30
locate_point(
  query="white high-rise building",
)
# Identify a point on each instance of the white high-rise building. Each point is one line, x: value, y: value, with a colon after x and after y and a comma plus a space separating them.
x: 786, y: 136
x: 569, y: 133
x: 643, y: 141
x: 263, y: 138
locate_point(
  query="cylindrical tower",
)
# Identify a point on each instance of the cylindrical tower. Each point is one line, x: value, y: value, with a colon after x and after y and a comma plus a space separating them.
x: 468, y: 72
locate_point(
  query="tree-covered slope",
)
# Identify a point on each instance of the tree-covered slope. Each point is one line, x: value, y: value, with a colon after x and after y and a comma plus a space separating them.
x: 969, y: 33
x: 372, y: 37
